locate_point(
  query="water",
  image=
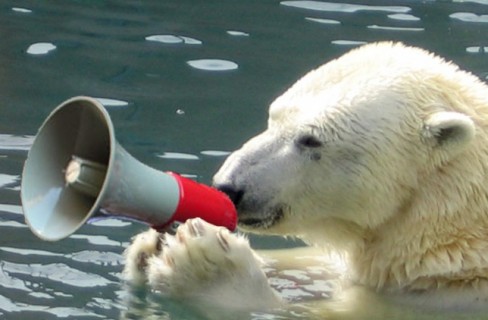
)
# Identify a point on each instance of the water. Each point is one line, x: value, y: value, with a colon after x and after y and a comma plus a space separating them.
x: 185, y: 82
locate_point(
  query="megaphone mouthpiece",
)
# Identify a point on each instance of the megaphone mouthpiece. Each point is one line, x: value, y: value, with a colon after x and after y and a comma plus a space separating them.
x: 85, y: 176
x: 76, y: 170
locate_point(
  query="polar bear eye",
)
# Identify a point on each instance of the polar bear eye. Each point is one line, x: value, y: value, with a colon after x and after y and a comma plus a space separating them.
x: 309, y: 141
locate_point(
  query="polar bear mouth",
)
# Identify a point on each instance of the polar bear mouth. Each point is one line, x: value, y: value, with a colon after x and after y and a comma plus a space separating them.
x: 264, y: 221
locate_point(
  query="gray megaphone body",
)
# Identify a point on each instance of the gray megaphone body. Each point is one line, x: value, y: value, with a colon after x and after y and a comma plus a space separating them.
x: 76, y: 171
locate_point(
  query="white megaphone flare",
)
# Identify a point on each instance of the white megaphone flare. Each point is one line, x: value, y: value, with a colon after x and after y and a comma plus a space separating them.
x: 76, y: 171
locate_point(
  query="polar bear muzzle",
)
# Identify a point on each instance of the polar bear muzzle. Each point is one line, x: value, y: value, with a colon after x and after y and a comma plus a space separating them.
x: 266, y: 220
x: 252, y: 215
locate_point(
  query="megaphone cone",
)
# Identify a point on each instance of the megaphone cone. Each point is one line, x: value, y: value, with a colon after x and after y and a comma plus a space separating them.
x: 76, y: 171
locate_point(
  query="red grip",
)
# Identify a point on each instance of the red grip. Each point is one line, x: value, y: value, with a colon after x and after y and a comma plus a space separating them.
x: 202, y: 201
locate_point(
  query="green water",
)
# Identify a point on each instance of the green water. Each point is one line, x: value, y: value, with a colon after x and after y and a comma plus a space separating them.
x: 172, y: 108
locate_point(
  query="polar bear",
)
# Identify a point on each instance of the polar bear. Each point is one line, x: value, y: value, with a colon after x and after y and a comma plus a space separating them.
x: 380, y: 155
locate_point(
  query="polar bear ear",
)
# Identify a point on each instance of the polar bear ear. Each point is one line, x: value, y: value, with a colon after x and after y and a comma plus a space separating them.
x: 449, y: 130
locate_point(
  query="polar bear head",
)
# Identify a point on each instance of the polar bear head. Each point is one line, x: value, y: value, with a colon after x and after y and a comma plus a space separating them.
x: 379, y: 132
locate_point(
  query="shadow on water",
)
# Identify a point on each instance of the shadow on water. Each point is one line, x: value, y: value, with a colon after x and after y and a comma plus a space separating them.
x: 185, y: 83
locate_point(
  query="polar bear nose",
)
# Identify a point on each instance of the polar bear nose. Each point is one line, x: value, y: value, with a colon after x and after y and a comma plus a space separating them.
x: 234, y: 194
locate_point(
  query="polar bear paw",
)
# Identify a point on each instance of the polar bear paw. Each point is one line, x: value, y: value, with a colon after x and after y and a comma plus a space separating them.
x: 200, y: 261
x: 144, y: 246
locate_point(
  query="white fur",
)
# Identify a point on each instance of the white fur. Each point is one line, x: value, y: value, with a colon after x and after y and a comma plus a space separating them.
x: 399, y: 184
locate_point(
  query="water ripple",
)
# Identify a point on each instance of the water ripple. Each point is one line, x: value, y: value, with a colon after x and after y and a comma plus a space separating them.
x: 97, y: 240
x: 10, y: 142
x: 58, y: 272
x: 8, y: 181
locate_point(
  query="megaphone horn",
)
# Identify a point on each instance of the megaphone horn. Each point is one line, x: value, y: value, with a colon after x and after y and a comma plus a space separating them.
x: 76, y: 171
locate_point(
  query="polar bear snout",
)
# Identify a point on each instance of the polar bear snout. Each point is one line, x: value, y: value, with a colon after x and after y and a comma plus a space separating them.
x: 234, y: 194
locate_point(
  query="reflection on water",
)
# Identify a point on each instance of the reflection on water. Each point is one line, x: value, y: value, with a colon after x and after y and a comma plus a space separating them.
x: 213, y: 64
x: 178, y: 155
x: 470, y: 17
x: 403, y: 17
x: 184, y: 82
x: 171, y: 39
x: 21, y: 10
x: 342, y: 7
x: 10, y: 142
x: 112, y: 102
x: 40, y: 48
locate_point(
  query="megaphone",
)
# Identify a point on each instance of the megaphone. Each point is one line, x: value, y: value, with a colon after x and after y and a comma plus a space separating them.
x: 76, y: 171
